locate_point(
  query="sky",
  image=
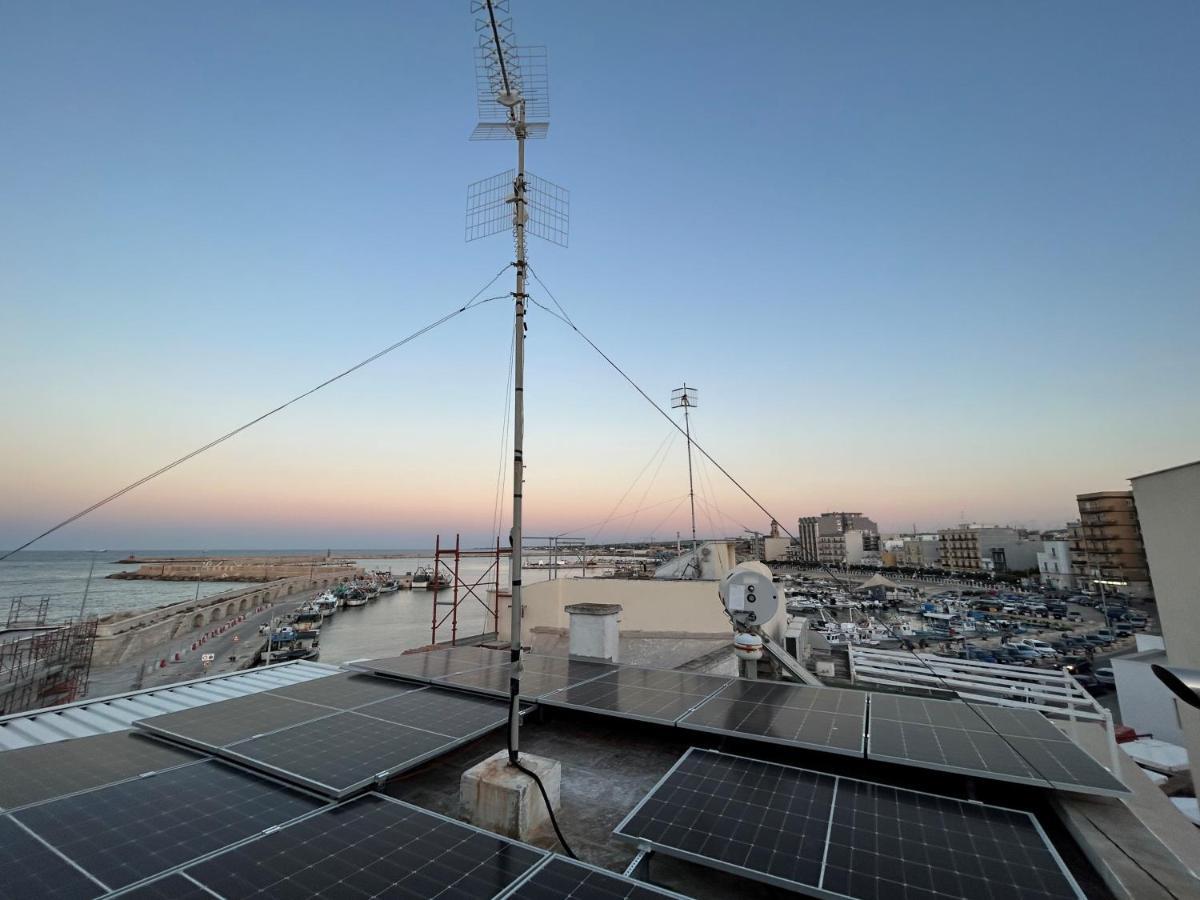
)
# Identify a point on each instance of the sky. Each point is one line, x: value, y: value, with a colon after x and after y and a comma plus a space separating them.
x: 933, y: 261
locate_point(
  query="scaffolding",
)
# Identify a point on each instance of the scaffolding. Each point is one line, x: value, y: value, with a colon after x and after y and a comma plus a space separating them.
x: 48, y: 667
x: 447, y: 578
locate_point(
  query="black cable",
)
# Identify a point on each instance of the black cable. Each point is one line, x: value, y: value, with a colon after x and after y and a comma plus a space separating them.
x: 513, y: 758
x: 567, y: 321
x: 470, y: 304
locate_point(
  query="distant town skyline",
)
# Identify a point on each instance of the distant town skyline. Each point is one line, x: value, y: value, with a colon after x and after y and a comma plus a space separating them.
x: 936, y: 263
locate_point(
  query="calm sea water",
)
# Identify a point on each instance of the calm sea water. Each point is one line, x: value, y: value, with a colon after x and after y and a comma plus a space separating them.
x: 390, y: 624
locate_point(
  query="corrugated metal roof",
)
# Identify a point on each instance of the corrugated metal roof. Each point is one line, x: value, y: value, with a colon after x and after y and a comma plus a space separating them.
x: 120, y: 711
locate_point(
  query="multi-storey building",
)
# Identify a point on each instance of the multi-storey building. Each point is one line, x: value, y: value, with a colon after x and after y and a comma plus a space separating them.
x: 921, y: 551
x: 1111, y: 543
x: 987, y: 548
x: 1054, y: 565
x: 823, y: 538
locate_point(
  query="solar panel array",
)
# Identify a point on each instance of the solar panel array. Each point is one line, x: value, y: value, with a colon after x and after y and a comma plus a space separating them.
x: 88, y: 843
x: 559, y: 877
x: 540, y: 675
x: 828, y: 719
x: 433, y: 664
x: 841, y: 837
x: 336, y: 751
x: 366, y: 847
x: 45, y: 771
x: 653, y: 695
x: 987, y: 741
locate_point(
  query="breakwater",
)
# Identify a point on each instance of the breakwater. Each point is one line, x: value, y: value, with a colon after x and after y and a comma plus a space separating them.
x: 238, y: 568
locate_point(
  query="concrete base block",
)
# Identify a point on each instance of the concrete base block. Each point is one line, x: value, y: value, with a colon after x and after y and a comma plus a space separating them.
x: 501, y: 798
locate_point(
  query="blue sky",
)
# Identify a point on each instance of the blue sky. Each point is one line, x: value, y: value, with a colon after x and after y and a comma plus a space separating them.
x: 928, y: 260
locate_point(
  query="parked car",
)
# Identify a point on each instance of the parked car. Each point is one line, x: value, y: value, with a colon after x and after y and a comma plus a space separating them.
x: 1107, y: 633
x: 1028, y: 654
x: 1105, y: 675
x: 1138, y: 622
x: 1097, y: 640
x: 1074, y: 617
x: 1041, y: 647
x: 1123, y: 629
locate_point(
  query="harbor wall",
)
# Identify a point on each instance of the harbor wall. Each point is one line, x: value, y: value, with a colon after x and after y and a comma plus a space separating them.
x: 131, y: 636
x: 262, y: 569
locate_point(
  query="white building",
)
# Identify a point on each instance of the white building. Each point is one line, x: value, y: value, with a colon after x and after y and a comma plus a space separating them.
x: 1054, y: 565
x: 1146, y: 705
x: 1168, y: 507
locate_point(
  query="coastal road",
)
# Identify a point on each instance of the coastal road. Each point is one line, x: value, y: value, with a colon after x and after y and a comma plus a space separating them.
x: 126, y: 676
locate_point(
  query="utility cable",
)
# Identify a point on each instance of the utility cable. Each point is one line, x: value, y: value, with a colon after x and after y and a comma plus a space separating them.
x: 470, y: 304
x: 567, y: 321
x: 650, y: 484
x: 502, y: 467
x: 669, y: 435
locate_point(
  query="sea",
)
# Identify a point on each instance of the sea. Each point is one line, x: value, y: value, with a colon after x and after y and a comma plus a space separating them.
x: 388, y: 625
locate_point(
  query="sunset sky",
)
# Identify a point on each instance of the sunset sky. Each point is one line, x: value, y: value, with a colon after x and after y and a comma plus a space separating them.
x: 933, y: 261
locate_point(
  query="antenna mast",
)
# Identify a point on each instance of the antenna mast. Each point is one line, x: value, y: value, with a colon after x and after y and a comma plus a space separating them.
x: 687, y: 398
x: 513, y: 90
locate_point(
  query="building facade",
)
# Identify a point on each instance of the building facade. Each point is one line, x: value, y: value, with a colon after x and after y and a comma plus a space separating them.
x: 975, y: 549
x: 921, y: 551
x: 1168, y: 506
x: 1111, y: 547
x: 1054, y: 565
x: 822, y: 539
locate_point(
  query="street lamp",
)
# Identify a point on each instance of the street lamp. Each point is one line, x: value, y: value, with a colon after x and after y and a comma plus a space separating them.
x: 1104, y: 603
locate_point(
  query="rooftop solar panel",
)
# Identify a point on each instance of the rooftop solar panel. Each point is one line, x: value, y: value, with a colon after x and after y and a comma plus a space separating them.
x: 828, y: 719
x: 132, y: 830
x: 220, y: 724
x: 368, y: 847
x: 45, y: 771
x: 652, y: 695
x: 559, y: 877
x: 343, y: 691
x: 540, y: 675
x: 985, y: 741
x: 28, y: 868
x: 839, y: 837
x: 170, y: 887
x: 427, y: 665
x: 441, y: 711
x: 341, y: 754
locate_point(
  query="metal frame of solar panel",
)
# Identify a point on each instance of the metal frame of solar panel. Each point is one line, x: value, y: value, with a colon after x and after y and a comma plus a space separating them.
x: 640, y: 693
x: 427, y: 665
x: 48, y: 771
x: 558, y: 877
x: 341, y: 752
x: 833, y: 720
x: 994, y: 742
x: 540, y: 676
x: 214, y: 725
x: 792, y: 827
x: 127, y: 832
x: 366, y: 846
x: 345, y: 690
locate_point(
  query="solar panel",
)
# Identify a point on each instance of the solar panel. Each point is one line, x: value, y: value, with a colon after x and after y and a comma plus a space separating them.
x: 367, y: 847
x: 125, y: 832
x: 432, y: 664
x: 169, y: 887
x: 343, y: 753
x: 828, y: 719
x: 540, y: 675
x: 228, y: 721
x: 31, y: 869
x: 442, y: 712
x: 343, y: 691
x: 840, y: 837
x: 651, y: 695
x: 559, y: 877
x: 985, y: 741
x: 53, y: 770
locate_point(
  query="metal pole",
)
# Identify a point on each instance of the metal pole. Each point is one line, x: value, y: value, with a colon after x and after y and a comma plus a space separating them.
x: 514, y: 719
x: 87, y: 587
x: 687, y: 428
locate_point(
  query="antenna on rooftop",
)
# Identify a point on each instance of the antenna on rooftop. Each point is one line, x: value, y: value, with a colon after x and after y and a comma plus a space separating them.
x: 688, y: 398
x: 514, y: 104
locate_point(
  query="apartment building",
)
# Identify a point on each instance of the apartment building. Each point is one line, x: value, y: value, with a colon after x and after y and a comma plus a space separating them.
x: 1109, y: 544
x: 987, y: 548
x: 1054, y: 565
x: 823, y: 538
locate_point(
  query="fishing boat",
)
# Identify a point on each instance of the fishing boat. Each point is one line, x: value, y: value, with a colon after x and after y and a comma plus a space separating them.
x: 421, y: 579
x: 355, y: 597
x: 327, y: 604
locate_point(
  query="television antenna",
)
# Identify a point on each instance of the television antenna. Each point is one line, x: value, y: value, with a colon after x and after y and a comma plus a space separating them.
x: 514, y: 104
x: 688, y: 398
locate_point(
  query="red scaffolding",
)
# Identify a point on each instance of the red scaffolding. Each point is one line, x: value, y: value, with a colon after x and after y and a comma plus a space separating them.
x: 447, y: 578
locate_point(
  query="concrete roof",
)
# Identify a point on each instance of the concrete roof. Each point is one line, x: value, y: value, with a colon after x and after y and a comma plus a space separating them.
x: 1168, y: 469
x: 118, y: 712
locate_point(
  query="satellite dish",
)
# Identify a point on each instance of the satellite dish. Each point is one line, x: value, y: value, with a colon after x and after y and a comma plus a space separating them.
x: 749, y: 596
